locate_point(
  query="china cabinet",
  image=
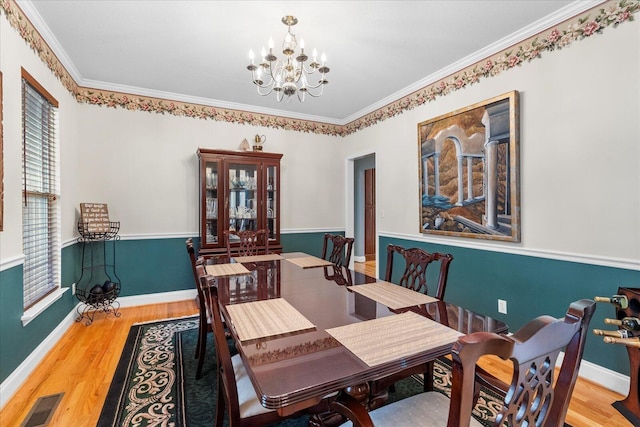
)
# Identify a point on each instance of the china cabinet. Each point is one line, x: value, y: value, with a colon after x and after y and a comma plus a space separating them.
x: 238, y: 190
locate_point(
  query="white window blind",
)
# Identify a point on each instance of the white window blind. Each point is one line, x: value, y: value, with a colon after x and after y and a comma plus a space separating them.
x: 40, y: 211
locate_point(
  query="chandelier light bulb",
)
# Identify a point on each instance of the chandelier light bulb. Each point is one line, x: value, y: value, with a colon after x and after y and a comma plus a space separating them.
x: 290, y: 75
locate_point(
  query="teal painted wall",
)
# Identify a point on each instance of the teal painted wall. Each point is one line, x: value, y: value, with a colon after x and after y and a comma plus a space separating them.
x: 531, y: 286
x: 152, y: 266
x: 17, y: 342
x: 477, y: 278
x: 310, y: 243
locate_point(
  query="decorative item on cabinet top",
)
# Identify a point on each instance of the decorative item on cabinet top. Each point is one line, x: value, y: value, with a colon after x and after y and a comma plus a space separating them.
x: 258, y: 141
x: 244, y: 145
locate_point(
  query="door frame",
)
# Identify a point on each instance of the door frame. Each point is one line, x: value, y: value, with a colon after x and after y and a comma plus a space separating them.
x: 349, y: 203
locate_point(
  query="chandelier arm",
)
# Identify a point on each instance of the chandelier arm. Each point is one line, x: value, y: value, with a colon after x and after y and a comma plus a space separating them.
x: 317, y: 95
x: 264, y: 93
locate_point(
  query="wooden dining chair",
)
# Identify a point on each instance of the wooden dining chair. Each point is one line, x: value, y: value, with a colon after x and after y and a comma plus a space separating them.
x: 236, y: 395
x: 337, y: 249
x: 246, y: 242
x: 533, y: 398
x: 416, y: 264
x: 414, y: 277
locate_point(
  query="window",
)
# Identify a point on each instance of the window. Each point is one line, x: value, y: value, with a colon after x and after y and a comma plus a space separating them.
x: 40, y: 211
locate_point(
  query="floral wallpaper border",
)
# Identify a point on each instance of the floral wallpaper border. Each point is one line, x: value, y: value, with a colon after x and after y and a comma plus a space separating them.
x: 590, y: 23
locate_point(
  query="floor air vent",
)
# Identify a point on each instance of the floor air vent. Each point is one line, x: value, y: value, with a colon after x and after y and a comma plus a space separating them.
x: 42, y: 411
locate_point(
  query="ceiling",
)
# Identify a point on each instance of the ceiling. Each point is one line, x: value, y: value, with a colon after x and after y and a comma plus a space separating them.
x: 197, y: 51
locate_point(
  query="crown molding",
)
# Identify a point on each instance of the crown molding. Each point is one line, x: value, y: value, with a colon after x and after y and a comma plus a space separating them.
x: 523, y: 34
x: 572, y: 23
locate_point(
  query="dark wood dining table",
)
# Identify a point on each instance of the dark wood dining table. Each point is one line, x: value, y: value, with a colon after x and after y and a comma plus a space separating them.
x: 295, y: 370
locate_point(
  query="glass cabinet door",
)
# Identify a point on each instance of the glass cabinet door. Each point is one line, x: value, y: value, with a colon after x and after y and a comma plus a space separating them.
x: 211, y: 208
x: 272, y: 201
x: 243, y: 197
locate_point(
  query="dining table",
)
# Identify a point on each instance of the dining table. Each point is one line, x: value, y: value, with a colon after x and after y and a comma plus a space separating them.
x: 307, y: 329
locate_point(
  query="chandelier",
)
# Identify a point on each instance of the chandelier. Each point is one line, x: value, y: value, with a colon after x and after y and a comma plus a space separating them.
x: 290, y: 75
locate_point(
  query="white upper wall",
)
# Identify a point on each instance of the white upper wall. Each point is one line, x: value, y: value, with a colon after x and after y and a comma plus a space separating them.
x: 579, y: 150
x: 580, y: 156
x: 144, y: 166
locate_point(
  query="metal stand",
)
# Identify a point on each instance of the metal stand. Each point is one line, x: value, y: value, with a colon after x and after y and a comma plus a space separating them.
x: 98, y: 285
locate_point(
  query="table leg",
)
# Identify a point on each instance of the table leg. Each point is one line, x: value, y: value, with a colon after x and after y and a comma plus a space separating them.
x: 360, y: 392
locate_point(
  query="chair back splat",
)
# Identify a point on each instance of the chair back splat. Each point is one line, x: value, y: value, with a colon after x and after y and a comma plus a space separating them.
x: 533, y: 397
x: 417, y: 261
x: 337, y: 249
x: 247, y: 242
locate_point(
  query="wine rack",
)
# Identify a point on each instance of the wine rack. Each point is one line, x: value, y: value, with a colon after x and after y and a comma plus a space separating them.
x: 98, y: 264
x: 630, y: 406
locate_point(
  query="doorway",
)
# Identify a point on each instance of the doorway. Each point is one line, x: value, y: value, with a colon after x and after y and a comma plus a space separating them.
x: 363, y: 199
x: 370, y: 214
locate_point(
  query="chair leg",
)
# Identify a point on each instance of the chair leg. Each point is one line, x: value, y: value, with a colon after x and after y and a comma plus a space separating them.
x: 202, y: 355
x: 198, y: 344
x: 201, y: 349
x: 202, y: 336
x: 428, y: 377
x: 220, y: 406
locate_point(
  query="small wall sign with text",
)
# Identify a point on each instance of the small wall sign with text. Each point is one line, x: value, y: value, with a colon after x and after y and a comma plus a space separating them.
x: 95, y: 217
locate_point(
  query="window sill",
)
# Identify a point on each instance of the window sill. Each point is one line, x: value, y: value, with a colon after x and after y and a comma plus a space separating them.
x: 41, y: 306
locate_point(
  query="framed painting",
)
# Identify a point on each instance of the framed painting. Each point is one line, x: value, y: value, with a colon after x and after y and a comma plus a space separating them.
x: 469, y: 171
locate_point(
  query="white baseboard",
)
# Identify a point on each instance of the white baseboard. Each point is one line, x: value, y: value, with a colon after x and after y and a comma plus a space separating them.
x: 360, y: 258
x: 158, y: 298
x: 605, y: 377
x: 15, y: 380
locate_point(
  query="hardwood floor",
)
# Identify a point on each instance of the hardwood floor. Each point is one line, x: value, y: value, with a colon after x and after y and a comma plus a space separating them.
x: 83, y: 362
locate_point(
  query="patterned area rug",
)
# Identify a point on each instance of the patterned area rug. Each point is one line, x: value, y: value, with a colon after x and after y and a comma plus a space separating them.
x: 155, y: 385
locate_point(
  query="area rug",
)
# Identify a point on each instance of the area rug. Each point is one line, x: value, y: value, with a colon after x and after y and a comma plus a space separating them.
x: 155, y: 385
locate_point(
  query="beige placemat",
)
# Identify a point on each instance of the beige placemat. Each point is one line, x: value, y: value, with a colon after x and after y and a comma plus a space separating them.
x: 388, y: 338
x: 260, y: 319
x: 231, y: 269
x: 257, y: 258
x: 309, y: 261
x: 391, y: 295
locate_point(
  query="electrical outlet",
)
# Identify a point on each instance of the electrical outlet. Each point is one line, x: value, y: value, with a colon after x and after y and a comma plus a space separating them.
x: 502, y: 306
x: 73, y: 289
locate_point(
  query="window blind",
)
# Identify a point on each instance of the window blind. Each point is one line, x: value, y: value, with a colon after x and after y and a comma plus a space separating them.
x: 40, y: 212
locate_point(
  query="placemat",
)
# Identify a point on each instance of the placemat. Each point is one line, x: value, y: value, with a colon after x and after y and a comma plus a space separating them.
x: 257, y: 258
x: 391, y: 295
x: 309, y: 261
x: 260, y: 319
x: 389, y: 338
x: 230, y: 269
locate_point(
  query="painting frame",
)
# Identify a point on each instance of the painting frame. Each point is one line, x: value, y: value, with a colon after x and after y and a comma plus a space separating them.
x: 469, y: 171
